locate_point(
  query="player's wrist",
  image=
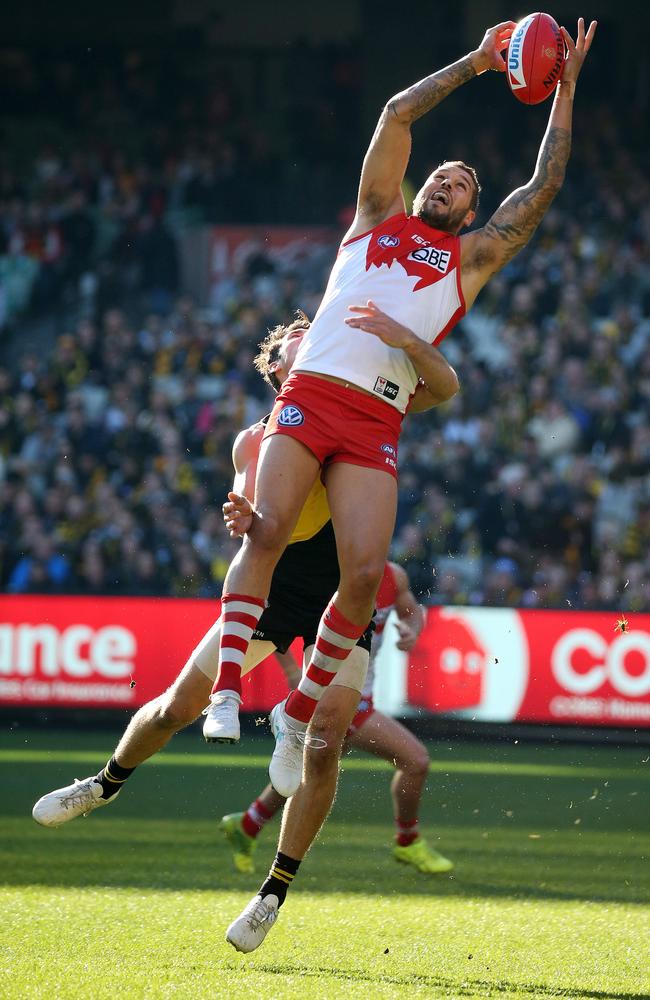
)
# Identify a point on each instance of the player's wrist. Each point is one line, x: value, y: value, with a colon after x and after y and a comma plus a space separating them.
x: 411, y: 344
x: 566, y: 89
x: 479, y: 61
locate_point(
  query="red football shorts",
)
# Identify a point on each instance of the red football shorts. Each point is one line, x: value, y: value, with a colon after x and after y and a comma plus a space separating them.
x: 364, y: 711
x: 337, y: 423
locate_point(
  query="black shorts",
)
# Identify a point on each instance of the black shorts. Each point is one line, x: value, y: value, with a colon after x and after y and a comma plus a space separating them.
x: 304, y: 581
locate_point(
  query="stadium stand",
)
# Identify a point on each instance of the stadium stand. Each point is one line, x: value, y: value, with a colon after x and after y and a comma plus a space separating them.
x: 115, y: 439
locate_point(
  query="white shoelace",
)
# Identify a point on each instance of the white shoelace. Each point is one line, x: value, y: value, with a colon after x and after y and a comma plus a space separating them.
x: 217, y: 706
x: 260, y: 914
x: 81, y: 796
x: 301, y: 736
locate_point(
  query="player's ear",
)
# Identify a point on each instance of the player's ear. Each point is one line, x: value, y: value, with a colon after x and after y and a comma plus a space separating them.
x: 469, y: 218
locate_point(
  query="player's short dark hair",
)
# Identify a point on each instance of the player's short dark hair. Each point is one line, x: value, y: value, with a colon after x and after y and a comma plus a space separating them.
x: 472, y: 173
x: 269, y: 348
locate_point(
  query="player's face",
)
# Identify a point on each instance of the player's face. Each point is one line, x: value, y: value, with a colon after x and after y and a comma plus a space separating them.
x: 444, y: 201
x: 290, y: 344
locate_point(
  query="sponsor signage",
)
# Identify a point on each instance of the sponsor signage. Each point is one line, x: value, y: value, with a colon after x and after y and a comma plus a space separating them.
x: 487, y: 664
x: 503, y: 665
x: 108, y: 652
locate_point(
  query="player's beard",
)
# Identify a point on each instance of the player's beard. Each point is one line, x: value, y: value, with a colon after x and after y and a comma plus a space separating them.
x: 441, y: 217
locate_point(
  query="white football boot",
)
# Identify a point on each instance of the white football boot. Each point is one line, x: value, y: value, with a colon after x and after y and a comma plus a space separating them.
x: 64, y: 804
x: 285, y: 769
x: 248, y: 931
x: 222, y: 718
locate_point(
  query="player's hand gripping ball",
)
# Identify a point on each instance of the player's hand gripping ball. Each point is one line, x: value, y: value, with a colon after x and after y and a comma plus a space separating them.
x: 535, y: 58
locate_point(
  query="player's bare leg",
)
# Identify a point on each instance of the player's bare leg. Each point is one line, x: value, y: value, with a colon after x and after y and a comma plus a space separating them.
x: 285, y: 474
x: 363, y: 531
x: 149, y: 731
x: 363, y: 503
x: 286, y: 471
x: 308, y: 809
x: 388, y: 739
x: 152, y: 726
x: 304, y: 814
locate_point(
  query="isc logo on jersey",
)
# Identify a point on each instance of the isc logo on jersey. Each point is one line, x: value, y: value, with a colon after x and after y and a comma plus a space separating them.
x: 386, y: 388
x: 291, y: 416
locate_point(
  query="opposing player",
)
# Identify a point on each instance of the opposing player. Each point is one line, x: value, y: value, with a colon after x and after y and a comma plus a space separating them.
x: 291, y: 615
x: 374, y: 732
x: 341, y: 409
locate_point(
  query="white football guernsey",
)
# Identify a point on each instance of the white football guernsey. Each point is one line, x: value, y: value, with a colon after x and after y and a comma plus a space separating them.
x: 412, y: 273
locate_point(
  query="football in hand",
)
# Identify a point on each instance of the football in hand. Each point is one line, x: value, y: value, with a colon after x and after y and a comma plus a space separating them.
x: 535, y: 58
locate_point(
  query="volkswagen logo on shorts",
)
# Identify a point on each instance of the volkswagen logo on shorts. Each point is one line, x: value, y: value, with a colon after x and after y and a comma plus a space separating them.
x: 291, y: 416
x: 388, y: 241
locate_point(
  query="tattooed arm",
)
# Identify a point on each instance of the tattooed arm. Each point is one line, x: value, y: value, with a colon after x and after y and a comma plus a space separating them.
x: 388, y: 154
x: 487, y: 250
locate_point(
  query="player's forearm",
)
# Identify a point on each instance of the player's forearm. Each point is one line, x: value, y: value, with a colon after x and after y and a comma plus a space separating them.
x: 411, y: 104
x: 439, y: 378
x: 555, y: 149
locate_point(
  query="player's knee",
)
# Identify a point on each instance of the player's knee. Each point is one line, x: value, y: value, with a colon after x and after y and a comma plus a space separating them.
x: 363, y: 579
x: 418, y: 761
x: 175, y: 712
x: 324, y: 741
x: 269, y: 534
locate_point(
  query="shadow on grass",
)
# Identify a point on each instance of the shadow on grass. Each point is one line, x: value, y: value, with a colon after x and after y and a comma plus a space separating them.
x: 468, y: 988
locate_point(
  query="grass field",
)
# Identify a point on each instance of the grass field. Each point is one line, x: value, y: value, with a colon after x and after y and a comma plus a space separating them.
x: 550, y: 896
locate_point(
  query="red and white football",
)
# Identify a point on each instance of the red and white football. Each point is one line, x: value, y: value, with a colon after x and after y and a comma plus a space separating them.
x: 535, y: 58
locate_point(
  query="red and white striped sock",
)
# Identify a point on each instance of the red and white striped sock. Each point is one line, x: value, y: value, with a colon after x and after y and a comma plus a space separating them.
x: 407, y: 831
x: 336, y: 638
x: 239, y: 617
x: 255, y: 817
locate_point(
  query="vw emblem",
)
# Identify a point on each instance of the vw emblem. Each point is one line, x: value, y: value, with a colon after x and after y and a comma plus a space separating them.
x: 290, y: 416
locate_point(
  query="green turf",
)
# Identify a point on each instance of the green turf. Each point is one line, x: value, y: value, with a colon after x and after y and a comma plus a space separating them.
x: 550, y: 895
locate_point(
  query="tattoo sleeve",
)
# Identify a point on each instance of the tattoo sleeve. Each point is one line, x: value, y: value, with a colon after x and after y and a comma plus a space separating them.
x: 411, y: 104
x: 515, y: 221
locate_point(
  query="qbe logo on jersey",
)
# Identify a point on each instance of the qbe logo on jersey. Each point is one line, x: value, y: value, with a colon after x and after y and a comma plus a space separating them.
x: 433, y: 257
x: 291, y: 416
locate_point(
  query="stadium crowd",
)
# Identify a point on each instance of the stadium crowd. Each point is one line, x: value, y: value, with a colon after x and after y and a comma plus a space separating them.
x: 532, y: 488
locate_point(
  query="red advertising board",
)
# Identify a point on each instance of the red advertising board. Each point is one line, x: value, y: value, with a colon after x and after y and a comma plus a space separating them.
x: 503, y: 665
x: 489, y: 664
x: 289, y: 247
x: 108, y: 652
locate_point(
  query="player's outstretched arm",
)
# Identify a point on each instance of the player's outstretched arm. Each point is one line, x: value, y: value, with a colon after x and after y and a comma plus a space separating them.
x: 385, y: 163
x: 487, y: 250
x: 438, y: 380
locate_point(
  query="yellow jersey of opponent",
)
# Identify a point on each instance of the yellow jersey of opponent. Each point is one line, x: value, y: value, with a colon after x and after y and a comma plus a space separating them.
x: 314, y: 515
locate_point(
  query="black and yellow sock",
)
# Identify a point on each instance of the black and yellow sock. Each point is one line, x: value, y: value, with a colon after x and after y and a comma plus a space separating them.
x: 112, y: 777
x: 280, y: 877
